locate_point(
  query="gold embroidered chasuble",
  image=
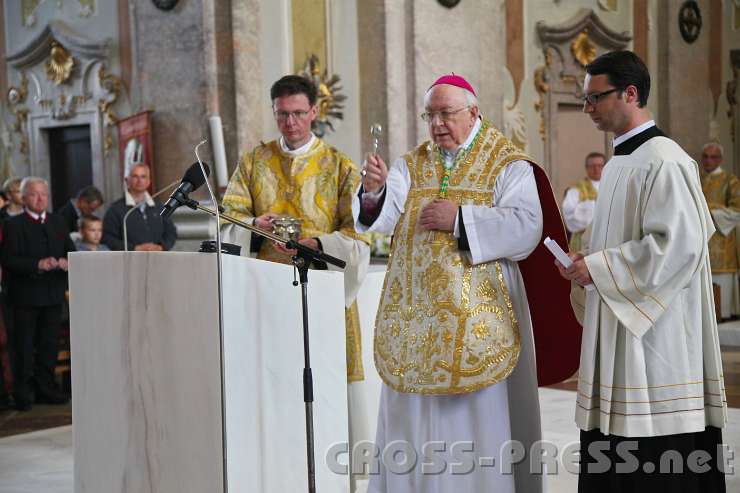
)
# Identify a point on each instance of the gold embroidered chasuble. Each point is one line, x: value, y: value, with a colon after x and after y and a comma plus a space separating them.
x: 317, y: 187
x: 445, y: 326
x: 586, y: 191
x: 722, y: 192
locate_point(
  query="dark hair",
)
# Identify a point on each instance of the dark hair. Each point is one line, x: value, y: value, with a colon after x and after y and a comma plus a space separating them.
x: 294, y: 84
x: 594, y: 154
x: 90, y: 194
x: 84, y: 221
x: 623, y: 68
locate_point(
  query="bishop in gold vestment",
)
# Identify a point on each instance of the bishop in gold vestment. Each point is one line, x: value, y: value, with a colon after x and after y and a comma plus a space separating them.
x: 453, y: 333
x: 722, y: 192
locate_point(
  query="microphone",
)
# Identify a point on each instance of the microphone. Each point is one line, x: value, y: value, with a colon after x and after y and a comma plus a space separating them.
x: 192, y: 180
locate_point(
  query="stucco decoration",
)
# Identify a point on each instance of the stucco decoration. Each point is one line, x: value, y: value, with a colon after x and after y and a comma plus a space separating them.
x: 17, y: 96
x: 583, y: 49
x: 567, y: 47
x: 59, y: 79
x: 59, y: 65
x: 515, y: 124
x: 609, y: 5
x: 330, y: 100
x: 29, y: 9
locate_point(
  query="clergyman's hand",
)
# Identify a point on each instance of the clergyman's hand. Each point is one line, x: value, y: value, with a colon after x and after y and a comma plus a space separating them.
x: 375, y: 173
x: 264, y: 221
x: 439, y: 215
x: 577, y: 272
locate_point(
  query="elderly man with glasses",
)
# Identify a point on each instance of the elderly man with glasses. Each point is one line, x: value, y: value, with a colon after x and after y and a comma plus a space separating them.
x: 722, y: 191
x: 454, y: 331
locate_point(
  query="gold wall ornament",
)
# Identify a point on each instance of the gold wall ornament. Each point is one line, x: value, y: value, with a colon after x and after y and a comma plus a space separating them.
x: 28, y: 11
x: 583, y: 49
x: 329, y: 98
x: 87, y: 8
x: 16, y: 101
x: 541, y: 86
x: 59, y: 65
x: 112, y: 86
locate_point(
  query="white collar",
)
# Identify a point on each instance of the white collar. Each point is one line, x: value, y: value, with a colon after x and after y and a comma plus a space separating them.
x: 594, y: 183
x: 296, y: 152
x: 41, y: 216
x: 468, y: 140
x: 633, y: 132
x: 148, y: 200
x: 716, y: 170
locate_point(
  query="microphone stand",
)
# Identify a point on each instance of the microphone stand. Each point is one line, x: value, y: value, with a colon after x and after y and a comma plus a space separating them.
x: 301, y: 261
x: 219, y: 276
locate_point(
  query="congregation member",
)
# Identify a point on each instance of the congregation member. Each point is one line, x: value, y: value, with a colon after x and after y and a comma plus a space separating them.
x: 301, y: 176
x: 147, y: 231
x: 91, y: 231
x: 14, y: 205
x: 650, y: 377
x: 87, y: 201
x: 580, y: 199
x: 34, y: 257
x: 722, y: 193
x: 453, y: 337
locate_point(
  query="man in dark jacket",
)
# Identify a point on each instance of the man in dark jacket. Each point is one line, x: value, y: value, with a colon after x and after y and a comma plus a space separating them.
x: 34, y: 255
x: 147, y: 231
x: 87, y: 201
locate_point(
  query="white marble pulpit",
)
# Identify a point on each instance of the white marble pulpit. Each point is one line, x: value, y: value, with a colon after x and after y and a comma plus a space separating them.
x: 146, y: 374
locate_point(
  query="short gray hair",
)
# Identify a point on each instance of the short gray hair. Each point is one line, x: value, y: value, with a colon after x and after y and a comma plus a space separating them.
x: 30, y: 180
x: 714, y: 144
x: 137, y: 165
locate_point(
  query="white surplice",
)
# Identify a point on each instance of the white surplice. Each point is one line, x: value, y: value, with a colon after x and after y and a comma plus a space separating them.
x: 650, y: 359
x: 509, y: 231
x: 578, y: 214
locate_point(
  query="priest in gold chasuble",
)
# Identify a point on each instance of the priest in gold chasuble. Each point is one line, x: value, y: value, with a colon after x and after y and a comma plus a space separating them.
x: 453, y: 333
x: 722, y: 192
x: 301, y: 176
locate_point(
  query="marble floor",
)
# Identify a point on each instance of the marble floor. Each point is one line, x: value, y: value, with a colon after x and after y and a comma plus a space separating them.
x: 42, y: 461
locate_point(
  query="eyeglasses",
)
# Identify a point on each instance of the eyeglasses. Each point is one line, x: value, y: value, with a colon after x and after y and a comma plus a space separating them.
x: 712, y: 156
x: 284, y: 115
x: 594, y: 98
x: 444, y: 115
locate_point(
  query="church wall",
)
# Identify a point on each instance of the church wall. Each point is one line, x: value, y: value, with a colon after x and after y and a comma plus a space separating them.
x: 730, y: 42
x: 553, y: 13
x: 250, y: 94
x: 170, y: 79
x: 20, y: 27
x: 421, y: 41
x: 685, y: 100
x: 202, y: 59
